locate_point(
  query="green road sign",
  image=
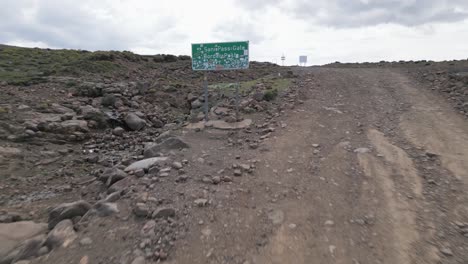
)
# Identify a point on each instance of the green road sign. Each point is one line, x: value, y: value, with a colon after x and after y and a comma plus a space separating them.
x: 220, y: 56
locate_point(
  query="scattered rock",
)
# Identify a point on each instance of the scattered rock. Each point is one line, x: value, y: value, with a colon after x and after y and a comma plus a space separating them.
x: 120, y: 186
x: 84, y: 260
x: 148, y: 229
x: 227, y: 179
x: 164, y: 212
x: 62, y: 235
x: 145, y: 164
x: 177, y: 165
x: 139, y: 260
x: 237, y: 172
x: 67, y: 211
x: 9, y: 217
x: 361, y: 150
x: 201, y: 202
x: 216, y: 180
x: 112, y: 175
x: 10, y: 152
x: 141, y: 210
x: 118, y: 131
x: 13, y: 234
x: 223, y: 125
x: 113, y: 197
x: 276, y: 216
x: 446, y: 251
x: 134, y: 122
x: 86, y: 241
x: 173, y: 143
x: 105, y: 209
x: 26, y: 250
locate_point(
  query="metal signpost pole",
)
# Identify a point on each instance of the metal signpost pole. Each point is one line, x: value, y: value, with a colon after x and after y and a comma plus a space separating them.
x: 237, y: 98
x: 205, y: 88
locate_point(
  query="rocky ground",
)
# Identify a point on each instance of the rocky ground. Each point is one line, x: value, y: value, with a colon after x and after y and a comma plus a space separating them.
x: 335, y: 164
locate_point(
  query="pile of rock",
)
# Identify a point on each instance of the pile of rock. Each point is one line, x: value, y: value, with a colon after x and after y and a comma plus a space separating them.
x: 453, y: 85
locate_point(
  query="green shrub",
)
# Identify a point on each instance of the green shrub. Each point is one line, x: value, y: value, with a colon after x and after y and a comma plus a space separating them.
x: 270, y: 94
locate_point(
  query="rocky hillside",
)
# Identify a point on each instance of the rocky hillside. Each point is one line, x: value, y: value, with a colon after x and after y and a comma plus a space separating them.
x: 82, y: 130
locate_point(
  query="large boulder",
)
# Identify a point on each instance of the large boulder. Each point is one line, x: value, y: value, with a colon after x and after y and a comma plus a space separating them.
x: 30, y: 248
x: 71, y: 126
x: 112, y: 175
x: 62, y: 235
x: 60, y: 109
x: 13, y: 235
x: 67, y: 211
x: 172, y: 143
x: 134, y: 122
x: 96, y: 115
x: 145, y: 164
x: 120, y: 186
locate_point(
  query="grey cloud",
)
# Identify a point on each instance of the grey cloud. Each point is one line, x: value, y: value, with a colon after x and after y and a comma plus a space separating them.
x: 255, y: 5
x: 357, y: 13
x: 240, y: 30
x: 67, y: 24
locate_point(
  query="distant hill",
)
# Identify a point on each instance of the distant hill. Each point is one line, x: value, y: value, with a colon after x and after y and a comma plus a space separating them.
x: 24, y: 66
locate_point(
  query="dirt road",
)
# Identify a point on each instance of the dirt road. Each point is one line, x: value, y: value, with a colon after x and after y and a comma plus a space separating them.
x: 371, y: 168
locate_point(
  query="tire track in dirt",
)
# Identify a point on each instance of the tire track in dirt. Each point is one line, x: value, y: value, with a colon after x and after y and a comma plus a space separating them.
x: 400, y: 211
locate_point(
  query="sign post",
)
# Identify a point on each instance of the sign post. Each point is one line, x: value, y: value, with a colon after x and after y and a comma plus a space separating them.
x: 217, y: 57
x: 303, y: 60
x: 205, y: 92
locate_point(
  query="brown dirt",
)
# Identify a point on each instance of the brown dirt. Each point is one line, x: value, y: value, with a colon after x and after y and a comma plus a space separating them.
x: 392, y: 204
x: 369, y: 166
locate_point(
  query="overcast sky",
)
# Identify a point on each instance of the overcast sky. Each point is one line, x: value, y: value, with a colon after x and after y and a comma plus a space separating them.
x: 324, y: 30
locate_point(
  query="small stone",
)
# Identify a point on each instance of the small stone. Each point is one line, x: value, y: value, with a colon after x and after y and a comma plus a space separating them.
x: 104, y: 209
x: 201, y: 202
x: 206, y: 179
x: 84, y: 260
x: 182, y: 178
x: 361, y: 150
x: 177, y: 165
x: 23, y: 262
x: 148, y: 229
x: 164, y: 212
x: 86, y: 241
x: 315, y: 145
x: 446, y: 251
x: 253, y: 145
x: 329, y: 223
x: 139, y: 260
x: 141, y: 210
x: 216, y: 180
x: 153, y: 170
x: 118, y: 131
x: 245, y: 167
x: 227, y: 179
x: 292, y: 226
x: 42, y: 251
x: 237, y: 172
x: 30, y: 132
